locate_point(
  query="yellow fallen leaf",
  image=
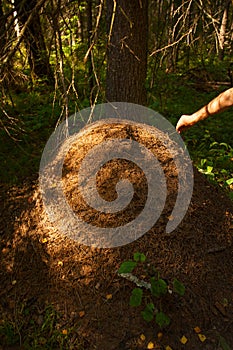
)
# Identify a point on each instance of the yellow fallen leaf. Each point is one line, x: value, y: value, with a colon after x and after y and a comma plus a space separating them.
x: 60, y: 263
x: 5, y: 251
x: 13, y: 282
x: 109, y: 296
x: 202, y: 337
x: 197, y: 330
x: 81, y: 313
x: 64, y: 331
x: 54, y: 185
x: 160, y: 335
x: 142, y: 337
x: 183, y: 340
x: 150, y: 345
x: 44, y: 240
x: 97, y: 286
x: 168, y: 348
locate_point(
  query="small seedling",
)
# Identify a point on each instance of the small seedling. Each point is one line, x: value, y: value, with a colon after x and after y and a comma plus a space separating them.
x: 158, y: 288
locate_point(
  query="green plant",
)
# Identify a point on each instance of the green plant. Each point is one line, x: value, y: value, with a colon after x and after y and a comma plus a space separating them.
x: 223, y: 343
x: 43, y: 331
x: 157, y: 287
x: 217, y: 165
x: 8, y: 333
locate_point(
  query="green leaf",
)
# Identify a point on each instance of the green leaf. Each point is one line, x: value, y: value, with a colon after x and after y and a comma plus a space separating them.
x: 139, y: 257
x: 224, y: 144
x: 178, y: 287
x: 202, y: 163
x: 127, y: 267
x: 231, y: 195
x: 158, y: 287
x: 214, y: 144
x: 223, y: 343
x: 148, y: 312
x: 136, y: 297
x: 229, y: 181
x: 162, y: 319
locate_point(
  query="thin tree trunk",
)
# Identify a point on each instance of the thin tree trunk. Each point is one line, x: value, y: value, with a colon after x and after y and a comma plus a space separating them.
x: 171, y: 38
x: 89, y: 36
x: 39, y: 61
x: 2, y: 30
x: 80, y: 27
x: 223, y: 28
x: 16, y: 20
x: 34, y: 40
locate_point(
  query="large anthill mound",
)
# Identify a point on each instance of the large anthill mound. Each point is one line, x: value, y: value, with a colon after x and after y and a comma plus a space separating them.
x: 116, y: 169
x: 41, y: 267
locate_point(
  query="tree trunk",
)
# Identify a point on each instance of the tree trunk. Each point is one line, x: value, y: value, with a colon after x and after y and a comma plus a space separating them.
x: 34, y: 40
x: 127, y: 51
x: 222, y: 32
x: 2, y: 30
x: 171, y: 38
x: 89, y: 36
x: 80, y: 23
x: 38, y: 57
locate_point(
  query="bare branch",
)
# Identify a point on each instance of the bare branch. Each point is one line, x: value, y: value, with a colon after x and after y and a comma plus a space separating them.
x: 95, y: 32
x: 20, y: 37
x: 172, y: 44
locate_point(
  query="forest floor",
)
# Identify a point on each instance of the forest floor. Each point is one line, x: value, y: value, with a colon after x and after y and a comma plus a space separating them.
x: 58, y: 294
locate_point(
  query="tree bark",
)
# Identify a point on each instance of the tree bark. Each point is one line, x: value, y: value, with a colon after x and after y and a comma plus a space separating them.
x: 34, y: 40
x: 127, y: 51
x: 222, y: 32
x: 2, y: 30
x: 89, y: 36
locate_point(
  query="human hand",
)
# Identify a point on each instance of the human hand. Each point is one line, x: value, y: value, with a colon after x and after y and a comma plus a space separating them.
x: 184, y: 123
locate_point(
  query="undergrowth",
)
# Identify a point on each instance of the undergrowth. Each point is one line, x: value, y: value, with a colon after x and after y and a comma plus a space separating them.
x: 38, y: 331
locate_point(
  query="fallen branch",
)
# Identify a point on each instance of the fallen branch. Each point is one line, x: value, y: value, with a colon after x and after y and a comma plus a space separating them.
x: 140, y: 283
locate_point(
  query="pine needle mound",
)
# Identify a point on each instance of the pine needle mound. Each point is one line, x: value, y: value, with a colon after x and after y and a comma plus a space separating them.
x: 117, y: 169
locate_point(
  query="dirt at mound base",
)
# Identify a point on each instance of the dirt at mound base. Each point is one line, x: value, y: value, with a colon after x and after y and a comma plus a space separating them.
x: 40, y: 267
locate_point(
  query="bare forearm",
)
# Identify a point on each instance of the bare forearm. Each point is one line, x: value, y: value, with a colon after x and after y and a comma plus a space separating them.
x: 217, y: 105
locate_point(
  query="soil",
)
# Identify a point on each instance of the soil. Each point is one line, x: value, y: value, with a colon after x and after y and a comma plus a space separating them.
x: 41, y: 267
